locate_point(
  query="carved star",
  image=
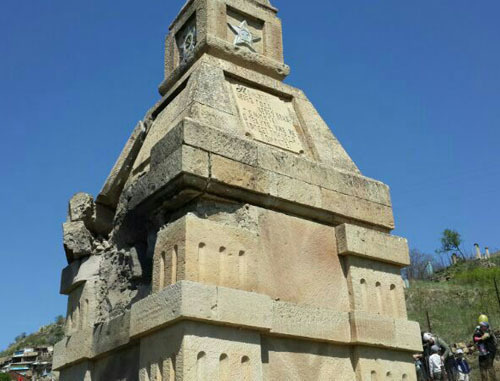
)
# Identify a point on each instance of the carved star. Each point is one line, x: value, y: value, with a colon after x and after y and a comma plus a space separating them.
x: 243, y: 35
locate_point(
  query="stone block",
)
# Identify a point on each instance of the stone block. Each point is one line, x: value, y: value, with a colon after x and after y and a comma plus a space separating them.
x: 408, y: 335
x: 296, y: 191
x: 298, y: 262
x: 68, y: 276
x: 351, y: 195
x: 381, y: 364
x: 82, y: 306
x: 375, y: 287
x: 172, y: 111
x: 185, y: 160
x: 79, y: 272
x: 81, y: 372
x: 207, y: 138
x: 217, y: 253
x: 112, y: 334
x: 81, y: 208
x: 102, y: 220
x: 240, y: 175
x: 195, y: 301
x: 122, y: 364
x: 289, y: 359
x: 78, y: 241
x: 252, y: 184
x: 161, y: 354
x: 194, y: 350
x: 357, y: 209
x: 214, y: 252
x: 359, y: 241
x: 169, y: 253
x: 220, y: 353
x: 194, y: 161
x: 312, y: 172
x: 97, y: 217
x: 244, y: 309
x: 157, y: 310
x: 207, y: 252
x: 377, y: 330
x: 207, y: 87
x: 74, y: 348
x: 199, y: 301
x: 303, y: 321
x: 222, y: 254
x: 59, y: 359
x: 372, y: 329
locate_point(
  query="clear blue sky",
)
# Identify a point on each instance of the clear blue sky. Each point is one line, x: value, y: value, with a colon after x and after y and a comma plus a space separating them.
x: 411, y: 89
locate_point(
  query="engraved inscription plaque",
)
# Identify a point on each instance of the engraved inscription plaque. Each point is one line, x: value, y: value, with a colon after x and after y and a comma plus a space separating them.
x: 267, y: 118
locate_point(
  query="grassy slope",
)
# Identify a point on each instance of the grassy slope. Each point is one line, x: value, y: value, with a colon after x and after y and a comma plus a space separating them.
x: 47, y: 335
x: 454, y: 305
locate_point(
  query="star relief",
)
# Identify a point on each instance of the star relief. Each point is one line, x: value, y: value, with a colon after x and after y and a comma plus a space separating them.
x: 243, y: 35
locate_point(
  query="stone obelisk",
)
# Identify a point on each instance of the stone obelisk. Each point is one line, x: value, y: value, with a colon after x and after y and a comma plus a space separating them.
x: 234, y: 239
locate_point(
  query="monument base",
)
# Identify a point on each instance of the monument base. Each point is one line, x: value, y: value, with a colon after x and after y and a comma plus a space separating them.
x: 193, y: 331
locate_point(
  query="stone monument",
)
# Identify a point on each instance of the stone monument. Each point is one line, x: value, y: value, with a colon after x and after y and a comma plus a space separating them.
x: 234, y: 239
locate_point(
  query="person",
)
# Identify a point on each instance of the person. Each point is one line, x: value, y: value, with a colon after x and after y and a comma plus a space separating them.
x: 420, y: 367
x: 487, y: 348
x: 447, y: 355
x: 461, y: 366
x: 435, y: 364
x: 483, y: 318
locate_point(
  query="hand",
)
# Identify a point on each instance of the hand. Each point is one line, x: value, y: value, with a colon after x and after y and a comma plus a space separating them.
x: 485, y: 336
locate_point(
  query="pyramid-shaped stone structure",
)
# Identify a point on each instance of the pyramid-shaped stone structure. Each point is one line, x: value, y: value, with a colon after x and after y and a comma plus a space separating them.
x: 234, y: 239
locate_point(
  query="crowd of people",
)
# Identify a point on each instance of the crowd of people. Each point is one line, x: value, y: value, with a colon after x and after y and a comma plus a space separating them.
x: 438, y: 362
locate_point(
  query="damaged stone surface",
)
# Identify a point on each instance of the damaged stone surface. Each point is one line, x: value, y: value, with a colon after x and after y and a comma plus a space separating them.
x: 78, y: 241
x: 120, y: 274
x: 81, y: 208
x: 234, y: 238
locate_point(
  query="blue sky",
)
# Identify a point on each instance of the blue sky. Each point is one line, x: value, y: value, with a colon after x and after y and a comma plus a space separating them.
x: 411, y: 89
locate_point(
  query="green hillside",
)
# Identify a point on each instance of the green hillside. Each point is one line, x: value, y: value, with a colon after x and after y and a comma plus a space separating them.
x: 455, y: 297
x: 46, y: 335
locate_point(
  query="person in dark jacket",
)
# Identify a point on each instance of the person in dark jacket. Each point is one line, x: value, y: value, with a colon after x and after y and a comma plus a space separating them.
x: 421, y: 367
x: 487, y: 349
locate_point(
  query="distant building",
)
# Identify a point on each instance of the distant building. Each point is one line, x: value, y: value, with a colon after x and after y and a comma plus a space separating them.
x: 34, y: 364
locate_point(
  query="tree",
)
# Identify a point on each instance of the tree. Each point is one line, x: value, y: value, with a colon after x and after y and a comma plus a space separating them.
x: 22, y: 336
x: 451, y: 241
x: 60, y: 320
x: 4, y: 377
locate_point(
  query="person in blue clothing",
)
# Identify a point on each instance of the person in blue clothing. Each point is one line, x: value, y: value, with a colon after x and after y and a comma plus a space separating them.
x: 462, y: 367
